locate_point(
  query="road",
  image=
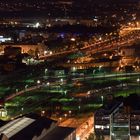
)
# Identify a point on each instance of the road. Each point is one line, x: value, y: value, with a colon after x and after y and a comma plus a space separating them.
x: 84, y: 126
x: 13, y: 95
x: 106, y: 43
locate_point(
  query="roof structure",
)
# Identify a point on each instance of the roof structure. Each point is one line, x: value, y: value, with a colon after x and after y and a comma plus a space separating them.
x: 59, y: 133
x: 26, y: 127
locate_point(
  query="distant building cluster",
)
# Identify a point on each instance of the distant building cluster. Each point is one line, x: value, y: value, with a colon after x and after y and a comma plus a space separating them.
x: 108, y: 12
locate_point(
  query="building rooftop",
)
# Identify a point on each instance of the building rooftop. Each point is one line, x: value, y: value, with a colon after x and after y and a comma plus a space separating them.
x: 15, y: 126
x: 25, y: 127
x: 59, y: 133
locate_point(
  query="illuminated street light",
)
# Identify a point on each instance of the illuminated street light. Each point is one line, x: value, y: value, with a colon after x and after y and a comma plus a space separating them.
x: 38, y: 81
x: 60, y: 119
x: 100, y: 67
x: 61, y: 80
x: 37, y: 25
x: 100, y: 38
x: 79, y: 107
x: 65, y: 92
x: 16, y: 90
x: 138, y: 80
x: 48, y: 83
x: 93, y: 71
x: 46, y: 70
x: 73, y: 68
x: 45, y: 52
x: 73, y: 39
x: 102, y: 98
x: 69, y: 111
x: 26, y: 86
x: 88, y: 93
x: 65, y: 115
x: 42, y: 113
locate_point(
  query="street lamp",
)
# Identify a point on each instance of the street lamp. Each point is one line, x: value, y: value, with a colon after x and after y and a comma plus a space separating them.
x: 16, y: 90
x: 48, y: 83
x: 102, y: 98
x: 42, y: 113
x: 51, y: 53
x: 61, y: 80
x: 38, y: 81
x: 26, y: 86
x: 22, y: 109
x: 37, y: 25
x: 45, y: 52
x: 88, y: 93
x: 69, y: 112
x: 65, y: 92
x: 46, y: 70
x: 100, y: 67
x: 93, y: 72
x: 60, y: 119
x: 73, y: 69
x: 138, y: 80
x: 79, y: 107
x: 100, y: 38
x: 73, y: 39
x: 65, y: 115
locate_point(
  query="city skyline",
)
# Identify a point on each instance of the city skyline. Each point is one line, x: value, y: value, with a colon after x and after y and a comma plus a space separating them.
x: 70, y: 69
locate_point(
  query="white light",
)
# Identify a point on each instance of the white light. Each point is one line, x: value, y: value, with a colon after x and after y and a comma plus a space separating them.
x: 37, y: 25
x: 138, y: 80
x: 70, y: 112
x: 46, y: 70
x: 137, y: 127
x: 102, y: 97
x: 45, y: 52
x: 74, y: 68
x: 65, y: 115
x: 77, y: 138
x: 88, y: 93
x: 107, y: 126
x: 9, y: 38
x: 43, y: 112
x: 72, y: 39
x: 99, y: 126
x: 100, y: 67
x: 38, y: 82
x: 48, y: 84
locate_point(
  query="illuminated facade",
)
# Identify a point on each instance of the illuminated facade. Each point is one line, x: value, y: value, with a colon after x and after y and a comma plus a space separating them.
x: 105, y: 120
x: 114, y: 123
